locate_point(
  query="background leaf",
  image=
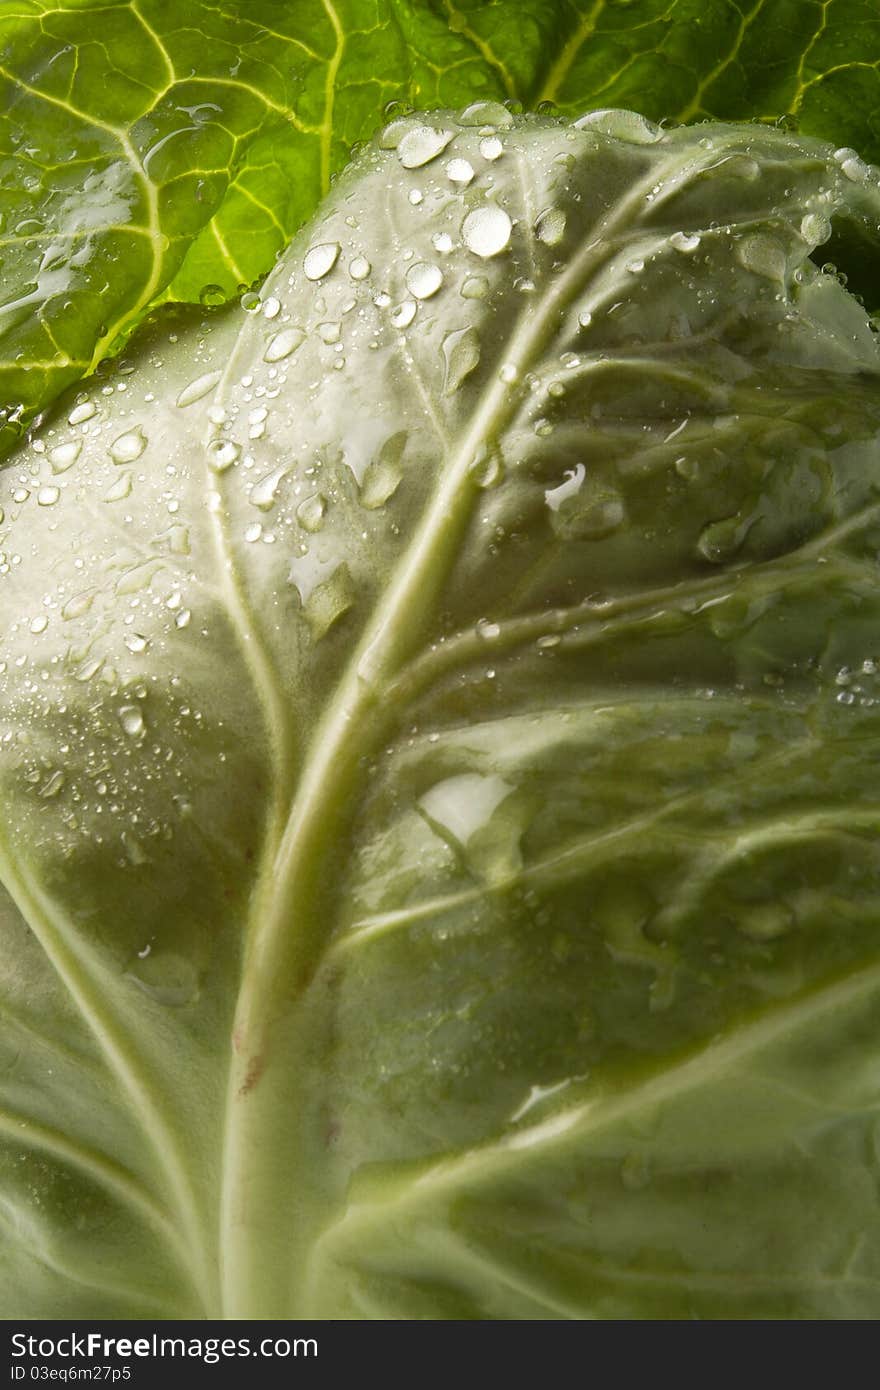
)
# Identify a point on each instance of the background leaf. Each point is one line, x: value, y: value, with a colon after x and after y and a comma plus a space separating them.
x: 151, y: 152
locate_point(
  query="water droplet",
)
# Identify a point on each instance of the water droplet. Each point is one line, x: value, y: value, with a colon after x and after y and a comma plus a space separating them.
x: 390, y: 136
x: 585, y: 318
x: 359, y: 268
x: 720, y: 540
x: 212, y: 294
x: 320, y: 259
x: 329, y: 332
x: 442, y: 242
x: 486, y: 231
x: 311, y: 511
x: 328, y: 601
x: 82, y: 412
x: 815, y: 228
x: 762, y: 255
x: 250, y: 302
x: 423, y: 279
x: 460, y: 171
x: 64, y: 456
x: 488, y: 631
x: 283, y: 344
x: 486, y: 113
x: 475, y: 287
x: 415, y: 196
x: 166, y: 977
x: 491, y: 147
x: 253, y: 532
x: 132, y: 720
x: 48, y: 496
x: 119, y: 490
x: 263, y: 492
x: 128, y: 447
x: 21, y: 494
x: 136, y: 643
x: 487, y: 469
x: 686, y: 242
x: 855, y: 169
x: 404, y: 314
x: 550, y: 226
x: 509, y: 372
x: 184, y: 618
x: 53, y: 785
x: 462, y: 805
x: 461, y: 354
x: 420, y: 144
x: 383, y: 475
x: 222, y: 454
x: 79, y: 604
x: 622, y: 125
x: 198, y: 389
x: 39, y: 624
x: 271, y: 308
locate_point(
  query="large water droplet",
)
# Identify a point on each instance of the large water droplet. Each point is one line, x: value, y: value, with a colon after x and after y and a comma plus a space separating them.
x: 283, y: 344
x: 491, y: 148
x: 461, y: 354
x: 198, y: 388
x: 623, y: 125
x: 815, y: 228
x: 550, y: 226
x: 403, y: 314
x: 720, y: 540
x: 460, y: 171
x: 222, y: 454
x: 119, y: 490
x: 64, y: 456
x: 486, y: 113
x: 264, y: 491
x: 311, y: 511
x: 383, y: 475
x: 762, y: 255
x: 53, y: 785
x: 320, y: 259
x: 132, y: 720
x: 328, y: 601
x: 420, y: 144
x: 82, y: 412
x: 686, y: 242
x: 487, y: 469
x: 359, y: 268
x: 475, y: 287
x: 48, y: 496
x: 77, y: 605
x: 39, y: 624
x: 486, y: 231
x: 128, y: 447
x: 462, y: 805
x: 423, y: 279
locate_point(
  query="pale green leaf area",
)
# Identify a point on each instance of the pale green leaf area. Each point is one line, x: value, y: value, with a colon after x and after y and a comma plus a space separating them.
x: 440, y: 713
x: 151, y: 151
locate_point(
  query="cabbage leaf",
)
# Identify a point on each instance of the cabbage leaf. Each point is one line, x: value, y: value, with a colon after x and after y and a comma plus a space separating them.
x: 439, y: 705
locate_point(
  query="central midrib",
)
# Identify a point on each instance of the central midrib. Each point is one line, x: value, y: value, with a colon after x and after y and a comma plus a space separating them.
x: 285, y: 942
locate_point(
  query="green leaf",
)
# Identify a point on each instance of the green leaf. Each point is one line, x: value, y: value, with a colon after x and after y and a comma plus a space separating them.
x: 151, y: 152
x: 441, y: 711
